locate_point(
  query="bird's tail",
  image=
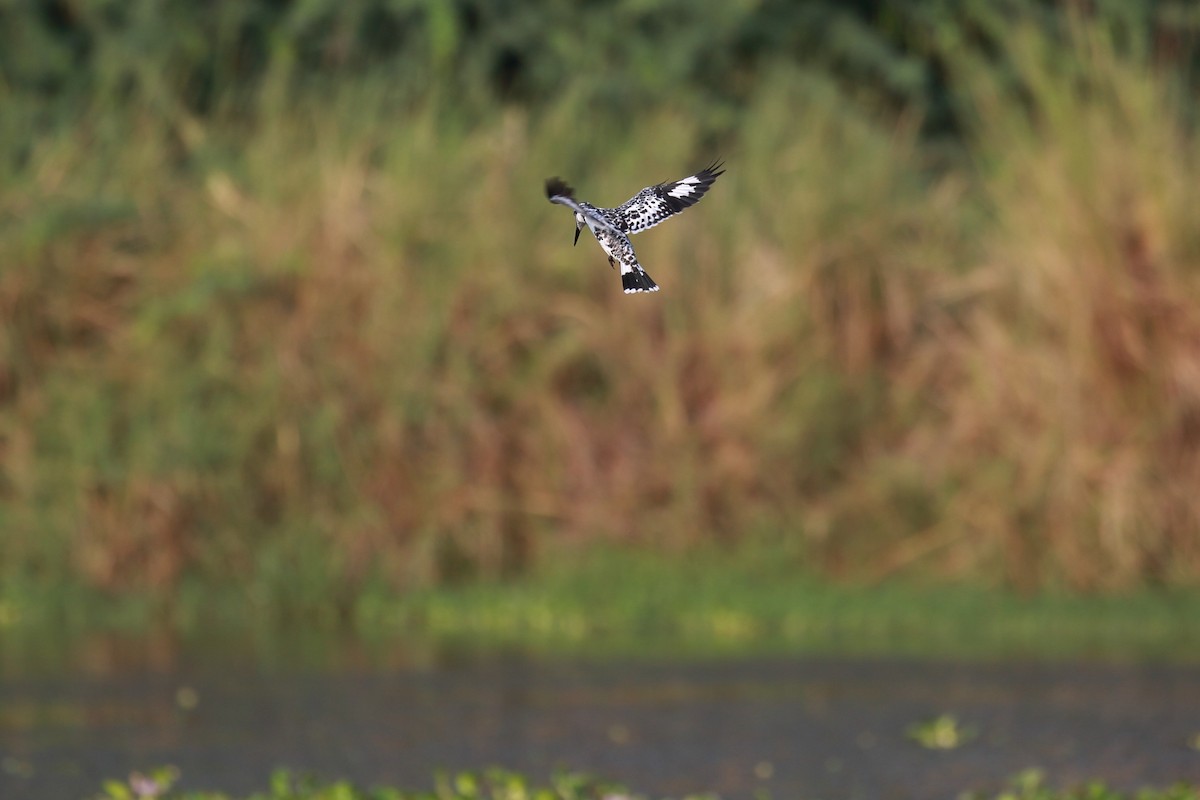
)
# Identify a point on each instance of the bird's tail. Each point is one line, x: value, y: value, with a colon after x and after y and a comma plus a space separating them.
x: 636, y: 280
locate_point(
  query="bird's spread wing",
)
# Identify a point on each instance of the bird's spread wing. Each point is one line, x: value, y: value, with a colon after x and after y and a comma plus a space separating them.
x: 653, y: 204
x: 559, y: 192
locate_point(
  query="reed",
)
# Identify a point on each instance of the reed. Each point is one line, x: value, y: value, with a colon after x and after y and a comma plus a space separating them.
x: 1071, y: 434
x: 323, y: 337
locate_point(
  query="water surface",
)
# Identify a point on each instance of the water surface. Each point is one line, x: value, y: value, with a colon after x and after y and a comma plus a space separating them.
x: 799, y: 727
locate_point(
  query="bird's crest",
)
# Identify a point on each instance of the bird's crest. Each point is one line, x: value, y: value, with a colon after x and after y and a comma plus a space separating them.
x: 557, y: 187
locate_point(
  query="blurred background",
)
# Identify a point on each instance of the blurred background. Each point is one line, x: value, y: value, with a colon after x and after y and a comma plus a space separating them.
x: 284, y: 306
x: 290, y: 337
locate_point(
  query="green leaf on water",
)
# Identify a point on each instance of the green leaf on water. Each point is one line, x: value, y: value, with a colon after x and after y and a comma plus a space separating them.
x: 943, y: 732
x: 116, y: 790
x: 466, y: 785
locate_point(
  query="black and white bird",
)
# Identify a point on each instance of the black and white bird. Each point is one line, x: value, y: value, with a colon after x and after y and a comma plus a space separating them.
x: 612, y: 227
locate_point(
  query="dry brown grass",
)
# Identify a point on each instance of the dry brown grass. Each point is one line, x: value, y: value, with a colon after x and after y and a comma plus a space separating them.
x: 1070, y: 431
x: 305, y: 351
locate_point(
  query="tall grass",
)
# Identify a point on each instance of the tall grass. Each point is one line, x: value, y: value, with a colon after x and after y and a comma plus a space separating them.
x: 1080, y: 389
x: 298, y: 346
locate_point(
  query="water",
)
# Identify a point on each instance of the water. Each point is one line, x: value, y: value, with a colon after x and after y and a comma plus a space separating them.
x: 799, y: 727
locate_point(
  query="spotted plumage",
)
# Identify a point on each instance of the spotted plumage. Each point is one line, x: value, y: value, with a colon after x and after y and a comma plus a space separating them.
x: 613, y: 226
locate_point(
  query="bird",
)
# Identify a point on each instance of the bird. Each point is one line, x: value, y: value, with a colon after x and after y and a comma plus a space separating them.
x: 612, y: 227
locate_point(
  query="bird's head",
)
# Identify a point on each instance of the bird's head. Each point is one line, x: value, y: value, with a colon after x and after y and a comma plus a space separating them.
x: 579, y: 223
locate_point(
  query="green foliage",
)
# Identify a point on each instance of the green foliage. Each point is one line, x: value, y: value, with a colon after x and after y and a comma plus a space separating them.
x: 629, y: 52
x: 178, y: 58
x: 943, y: 732
x: 500, y: 784
x: 1031, y: 785
x: 492, y: 784
x: 617, y: 603
x: 285, y: 313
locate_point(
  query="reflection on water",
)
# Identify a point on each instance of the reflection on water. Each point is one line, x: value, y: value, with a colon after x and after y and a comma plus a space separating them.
x: 795, y: 726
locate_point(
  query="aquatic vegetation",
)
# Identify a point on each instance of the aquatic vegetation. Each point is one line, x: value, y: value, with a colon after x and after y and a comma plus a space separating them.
x: 943, y: 732
x: 1032, y: 785
x: 142, y: 786
x: 491, y: 784
x: 500, y: 784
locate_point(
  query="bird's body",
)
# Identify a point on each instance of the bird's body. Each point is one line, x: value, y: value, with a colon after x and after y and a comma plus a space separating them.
x: 612, y: 227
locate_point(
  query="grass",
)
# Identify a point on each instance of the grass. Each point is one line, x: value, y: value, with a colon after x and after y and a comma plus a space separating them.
x: 616, y: 602
x: 318, y: 350
x: 718, y: 603
x: 499, y: 784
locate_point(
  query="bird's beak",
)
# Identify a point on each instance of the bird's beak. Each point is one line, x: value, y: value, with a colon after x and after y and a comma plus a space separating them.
x: 578, y: 230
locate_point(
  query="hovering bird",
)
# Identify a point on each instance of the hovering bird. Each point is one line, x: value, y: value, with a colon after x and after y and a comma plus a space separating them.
x: 613, y: 226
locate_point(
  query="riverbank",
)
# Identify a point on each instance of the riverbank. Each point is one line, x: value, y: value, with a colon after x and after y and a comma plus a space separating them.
x: 619, y: 602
